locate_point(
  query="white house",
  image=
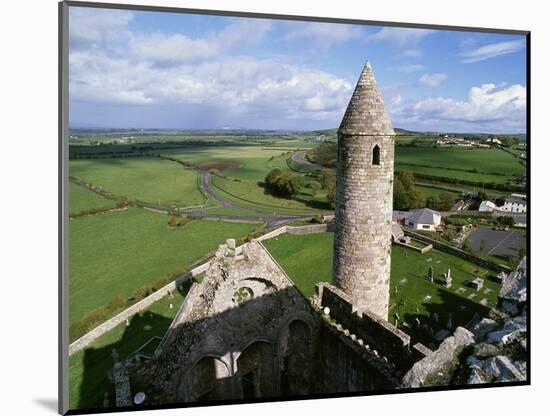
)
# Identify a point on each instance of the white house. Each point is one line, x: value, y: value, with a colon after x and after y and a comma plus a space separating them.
x: 487, y: 206
x: 494, y: 141
x: 515, y: 203
x: 423, y: 219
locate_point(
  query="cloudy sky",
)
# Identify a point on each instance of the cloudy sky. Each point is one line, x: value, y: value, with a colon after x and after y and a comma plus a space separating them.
x: 168, y: 70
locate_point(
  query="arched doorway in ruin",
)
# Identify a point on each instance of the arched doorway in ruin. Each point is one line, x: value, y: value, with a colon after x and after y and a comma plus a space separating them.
x: 295, y: 359
x: 209, y: 379
x: 256, y: 375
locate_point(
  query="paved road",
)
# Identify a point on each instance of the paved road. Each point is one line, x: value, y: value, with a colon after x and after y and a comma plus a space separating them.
x: 299, y: 157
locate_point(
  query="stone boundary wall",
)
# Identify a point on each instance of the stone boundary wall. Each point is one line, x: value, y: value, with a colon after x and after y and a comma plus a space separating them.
x: 465, y: 212
x: 422, y: 250
x: 276, y: 232
x: 458, y: 252
x: 494, y: 213
x: 377, y: 332
x: 91, y: 336
x: 297, y: 230
x: 310, y: 229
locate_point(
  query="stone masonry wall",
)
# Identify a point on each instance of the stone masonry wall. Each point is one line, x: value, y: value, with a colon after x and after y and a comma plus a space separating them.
x: 378, y: 333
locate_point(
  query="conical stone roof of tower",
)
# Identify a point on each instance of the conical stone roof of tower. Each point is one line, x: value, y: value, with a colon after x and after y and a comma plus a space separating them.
x: 366, y: 114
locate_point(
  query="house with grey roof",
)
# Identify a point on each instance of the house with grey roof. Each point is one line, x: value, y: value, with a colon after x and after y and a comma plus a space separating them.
x: 423, y: 219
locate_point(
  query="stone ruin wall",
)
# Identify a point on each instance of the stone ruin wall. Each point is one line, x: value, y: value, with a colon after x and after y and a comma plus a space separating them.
x: 220, y: 349
x: 360, y: 351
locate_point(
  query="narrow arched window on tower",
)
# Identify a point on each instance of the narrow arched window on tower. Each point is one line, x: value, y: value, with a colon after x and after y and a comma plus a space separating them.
x: 376, y: 155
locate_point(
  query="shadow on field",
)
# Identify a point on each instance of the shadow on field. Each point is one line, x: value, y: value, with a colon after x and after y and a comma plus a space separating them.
x: 462, y: 309
x: 96, y: 387
x: 313, y: 203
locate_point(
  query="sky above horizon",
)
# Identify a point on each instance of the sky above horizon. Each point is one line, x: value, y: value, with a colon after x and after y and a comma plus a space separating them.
x: 135, y: 69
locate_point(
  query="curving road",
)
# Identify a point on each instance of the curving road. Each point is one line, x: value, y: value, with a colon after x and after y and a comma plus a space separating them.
x: 299, y: 157
x: 272, y: 220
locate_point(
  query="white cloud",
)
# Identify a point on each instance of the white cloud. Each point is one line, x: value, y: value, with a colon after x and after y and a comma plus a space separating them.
x: 322, y: 36
x: 432, y: 80
x: 400, y: 38
x: 413, y: 53
x: 178, y: 70
x: 98, y: 27
x: 177, y: 48
x: 411, y: 68
x: 240, y: 85
x: 491, y: 51
x: 488, y: 108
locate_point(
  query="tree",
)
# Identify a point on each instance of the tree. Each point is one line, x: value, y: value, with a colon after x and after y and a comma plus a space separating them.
x: 400, y: 196
x: 509, y: 141
x: 407, y: 179
x: 449, y: 234
x: 272, y: 176
x: 331, y: 195
x: 482, y: 196
x: 283, y: 184
x: 504, y: 220
x: 417, y: 198
x: 314, y: 186
x: 327, y: 177
x: 466, y: 246
x: 522, y: 253
x: 433, y: 202
x: 446, y: 201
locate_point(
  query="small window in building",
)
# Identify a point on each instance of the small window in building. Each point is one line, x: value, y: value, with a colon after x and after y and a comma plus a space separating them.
x: 376, y: 155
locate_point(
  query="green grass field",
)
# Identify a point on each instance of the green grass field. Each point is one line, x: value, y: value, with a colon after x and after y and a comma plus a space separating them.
x: 492, y: 165
x: 308, y: 260
x: 115, y: 253
x: 243, y: 162
x: 81, y: 199
x: 243, y: 168
x: 151, y: 180
x: 88, y: 379
x: 427, y: 191
x: 249, y: 193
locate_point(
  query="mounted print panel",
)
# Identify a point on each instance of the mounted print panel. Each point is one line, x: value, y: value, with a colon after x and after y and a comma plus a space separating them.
x: 277, y: 208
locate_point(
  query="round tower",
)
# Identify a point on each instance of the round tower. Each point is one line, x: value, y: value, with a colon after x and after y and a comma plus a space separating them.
x: 364, y: 197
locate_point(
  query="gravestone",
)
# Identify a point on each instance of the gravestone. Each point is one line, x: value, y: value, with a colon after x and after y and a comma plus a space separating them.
x: 448, y: 280
x: 449, y: 325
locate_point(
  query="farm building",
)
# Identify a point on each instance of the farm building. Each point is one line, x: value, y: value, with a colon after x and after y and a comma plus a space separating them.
x: 423, y: 219
x: 515, y: 203
x: 487, y: 206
